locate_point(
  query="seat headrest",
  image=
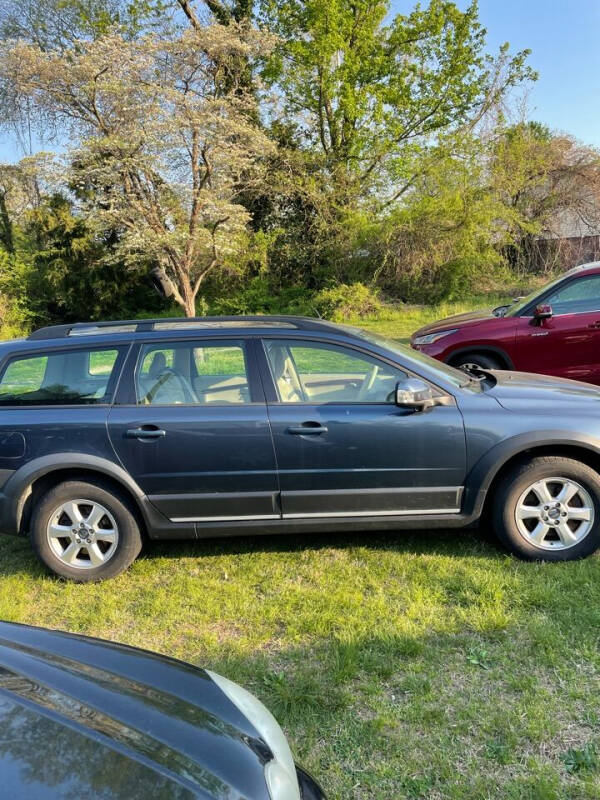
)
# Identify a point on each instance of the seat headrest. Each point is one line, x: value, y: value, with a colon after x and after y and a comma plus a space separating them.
x: 159, y: 363
x: 278, y: 361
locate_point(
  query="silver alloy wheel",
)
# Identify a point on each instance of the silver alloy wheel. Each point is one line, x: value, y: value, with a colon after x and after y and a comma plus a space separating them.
x: 471, y: 367
x: 555, y: 513
x: 83, y: 534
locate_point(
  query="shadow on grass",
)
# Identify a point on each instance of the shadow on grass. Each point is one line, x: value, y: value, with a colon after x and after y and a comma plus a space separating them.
x: 17, y: 557
x: 459, y: 543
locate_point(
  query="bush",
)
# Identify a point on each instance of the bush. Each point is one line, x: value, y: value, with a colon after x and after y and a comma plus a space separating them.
x: 347, y: 300
x: 15, y: 317
x: 12, y: 320
x: 258, y: 296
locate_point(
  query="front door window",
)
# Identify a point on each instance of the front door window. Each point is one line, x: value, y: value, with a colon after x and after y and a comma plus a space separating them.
x: 577, y: 297
x: 317, y: 372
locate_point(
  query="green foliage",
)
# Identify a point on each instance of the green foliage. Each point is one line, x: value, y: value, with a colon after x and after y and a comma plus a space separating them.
x: 443, y: 242
x: 256, y: 296
x: 343, y: 301
x: 581, y: 759
x: 15, y: 315
x: 60, y: 24
x: 383, y: 160
x: 64, y: 271
x: 370, y: 94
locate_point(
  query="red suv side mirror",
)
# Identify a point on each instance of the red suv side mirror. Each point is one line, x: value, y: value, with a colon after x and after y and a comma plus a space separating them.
x: 543, y: 311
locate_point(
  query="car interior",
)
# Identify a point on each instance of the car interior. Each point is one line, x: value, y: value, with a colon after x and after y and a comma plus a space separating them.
x: 79, y: 376
x: 319, y: 373
x: 191, y: 374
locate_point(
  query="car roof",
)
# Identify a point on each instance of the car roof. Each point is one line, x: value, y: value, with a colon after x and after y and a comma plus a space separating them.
x: 127, y: 330
x: 591, y: 266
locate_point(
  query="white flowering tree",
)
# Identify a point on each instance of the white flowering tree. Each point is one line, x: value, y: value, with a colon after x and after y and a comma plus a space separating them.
x: 163, y: 139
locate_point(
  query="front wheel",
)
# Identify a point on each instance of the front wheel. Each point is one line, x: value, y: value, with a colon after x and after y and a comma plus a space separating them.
x: 85, y: 531
x: 475, y: 362
x: 549, y: 509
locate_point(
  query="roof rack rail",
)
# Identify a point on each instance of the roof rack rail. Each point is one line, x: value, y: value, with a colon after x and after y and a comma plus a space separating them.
x: 173, y: 323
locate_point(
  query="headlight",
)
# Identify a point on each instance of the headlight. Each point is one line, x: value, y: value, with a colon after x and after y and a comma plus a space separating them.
x: 280, y: 773
x: 430, y: 338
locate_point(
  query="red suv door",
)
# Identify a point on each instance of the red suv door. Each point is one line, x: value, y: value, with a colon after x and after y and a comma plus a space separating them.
x: 568, y: 343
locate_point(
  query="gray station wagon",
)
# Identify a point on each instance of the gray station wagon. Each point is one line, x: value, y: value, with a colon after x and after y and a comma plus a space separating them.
x: 114, y: 432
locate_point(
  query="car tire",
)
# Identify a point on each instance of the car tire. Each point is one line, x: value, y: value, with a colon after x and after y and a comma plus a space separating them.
x: 101, y: 533
x: 472, y: 362
x: 532, y: 517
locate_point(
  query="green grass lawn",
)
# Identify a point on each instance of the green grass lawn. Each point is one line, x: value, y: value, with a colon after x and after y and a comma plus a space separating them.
x: 417, y: 665
x: 400, y: 321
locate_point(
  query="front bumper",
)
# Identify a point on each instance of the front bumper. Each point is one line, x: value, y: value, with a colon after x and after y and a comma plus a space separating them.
x: 309, y: 788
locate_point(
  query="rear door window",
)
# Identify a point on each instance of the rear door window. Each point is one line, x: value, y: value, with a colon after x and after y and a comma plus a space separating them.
x: 68, y: 377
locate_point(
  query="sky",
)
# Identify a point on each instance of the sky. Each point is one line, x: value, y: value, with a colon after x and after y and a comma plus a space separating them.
x: 564, y: 38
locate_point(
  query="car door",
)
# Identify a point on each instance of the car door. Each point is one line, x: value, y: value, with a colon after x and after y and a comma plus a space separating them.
x: 344, y: 448
x: 193, y: 431
x: 568, y: 343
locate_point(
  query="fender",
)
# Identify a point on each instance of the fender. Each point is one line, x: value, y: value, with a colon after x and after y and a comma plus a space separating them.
x: 483, y: 348
x: 489, y: 465
x: 16, y: 489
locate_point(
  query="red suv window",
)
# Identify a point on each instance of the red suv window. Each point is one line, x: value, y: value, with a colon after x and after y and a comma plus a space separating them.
x: 577, y: 297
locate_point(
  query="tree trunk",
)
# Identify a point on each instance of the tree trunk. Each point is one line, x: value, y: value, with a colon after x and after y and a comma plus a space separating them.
x: 189, y: 305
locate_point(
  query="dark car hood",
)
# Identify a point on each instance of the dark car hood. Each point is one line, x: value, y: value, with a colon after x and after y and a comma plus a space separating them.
x: 83, y: 718
x: 456, y: 321
x: 525, y: 391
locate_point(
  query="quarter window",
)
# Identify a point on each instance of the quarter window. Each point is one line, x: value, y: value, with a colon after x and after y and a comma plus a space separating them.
x: 192, y: 373
x: 72, y: 377
x: 315, y: 372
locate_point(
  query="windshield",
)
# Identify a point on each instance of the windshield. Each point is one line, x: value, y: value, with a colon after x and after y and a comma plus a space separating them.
x: 515, y: 309
x: 437, y: 368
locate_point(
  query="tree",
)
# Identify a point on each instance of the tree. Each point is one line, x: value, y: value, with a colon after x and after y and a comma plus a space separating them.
x: 58, y: 265
x: 548, y: 184
x: 75, y: 271
x: 163, y: 137
x: 371, y: 95
x: 59, y: 24
x: 19, y: 193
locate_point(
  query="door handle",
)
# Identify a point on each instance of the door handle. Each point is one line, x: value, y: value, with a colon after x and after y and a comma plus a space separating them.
x: 594, y: 324
x: 145, y: 433
x: 307, y: 429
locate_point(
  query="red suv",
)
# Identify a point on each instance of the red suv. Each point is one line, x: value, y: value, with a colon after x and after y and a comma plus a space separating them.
x: 555, y: 331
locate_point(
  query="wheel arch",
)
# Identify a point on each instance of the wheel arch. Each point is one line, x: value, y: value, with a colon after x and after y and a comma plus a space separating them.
x: 40, y: 475
x: 489, y: 471
x: 485, y: 349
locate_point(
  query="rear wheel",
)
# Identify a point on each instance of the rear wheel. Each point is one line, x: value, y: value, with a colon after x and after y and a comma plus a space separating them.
x: 476, y: 362
x: 549, y: 509
x: 85, y: 531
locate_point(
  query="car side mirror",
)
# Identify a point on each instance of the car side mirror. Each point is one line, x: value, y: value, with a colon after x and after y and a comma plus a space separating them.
x: 500, y: 311
x: 414, y: 393
x: 543, y: 311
